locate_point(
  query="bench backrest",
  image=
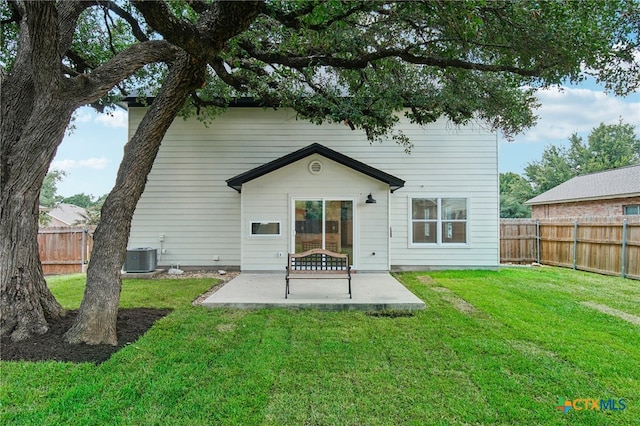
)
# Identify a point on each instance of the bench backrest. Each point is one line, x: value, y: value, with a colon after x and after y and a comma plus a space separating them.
x: 318, y: 260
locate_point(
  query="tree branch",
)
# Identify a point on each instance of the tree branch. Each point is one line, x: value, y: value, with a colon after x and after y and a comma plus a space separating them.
x: 107, y: 18
x: 199, y: 103
x: 292, y: 19
x: 237, y: 83
x: 468, y: 65
x: 177, y: 31
x: 133, y: 23
x: 226, y: 19
x: 217, y: 24
x: 364, y: 60
x: 81, y: 64
x: 199, y: 6
x: 95, y: 85
x: 69, y: 71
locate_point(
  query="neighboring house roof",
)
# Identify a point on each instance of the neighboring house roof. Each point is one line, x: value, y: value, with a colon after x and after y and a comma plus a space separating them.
x: 616, y: 183
x: 68, y: 214
x: 237, y: 181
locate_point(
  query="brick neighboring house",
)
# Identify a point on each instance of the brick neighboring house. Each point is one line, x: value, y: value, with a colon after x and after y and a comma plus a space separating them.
x: 613, y: 192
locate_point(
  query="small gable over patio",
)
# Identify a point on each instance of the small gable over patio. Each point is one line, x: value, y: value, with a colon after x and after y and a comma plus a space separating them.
x: 316, y: 148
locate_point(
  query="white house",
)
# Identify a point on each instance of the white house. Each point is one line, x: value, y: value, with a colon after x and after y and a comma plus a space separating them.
x: 259, y: 183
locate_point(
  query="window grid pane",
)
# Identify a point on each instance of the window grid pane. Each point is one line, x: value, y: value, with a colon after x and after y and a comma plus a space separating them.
x: 439, y: 220
x: 425, y: 209
x: 454, y: 232
x: 454, y: 209
x: 424, y: 232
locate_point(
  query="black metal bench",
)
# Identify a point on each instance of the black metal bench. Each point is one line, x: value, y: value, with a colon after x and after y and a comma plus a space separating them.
x: 317, y: 264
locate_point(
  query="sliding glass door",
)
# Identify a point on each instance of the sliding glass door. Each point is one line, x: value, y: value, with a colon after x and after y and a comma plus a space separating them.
x: 324, y: 223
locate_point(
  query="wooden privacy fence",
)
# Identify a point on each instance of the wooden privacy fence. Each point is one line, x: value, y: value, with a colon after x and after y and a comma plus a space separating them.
x: 599, y: 244
x: 64, y: 250
x: 518, y: 241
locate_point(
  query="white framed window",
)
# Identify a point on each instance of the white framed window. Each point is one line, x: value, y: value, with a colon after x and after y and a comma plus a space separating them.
x: 265, y: 229
x: 633, y: 209
x: 438, y: 220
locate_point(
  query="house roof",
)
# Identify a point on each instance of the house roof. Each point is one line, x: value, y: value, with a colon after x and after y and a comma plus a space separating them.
x: 239, y: 102
x: 237, y: 181
x: 68, y: 213
x: 615, y: 183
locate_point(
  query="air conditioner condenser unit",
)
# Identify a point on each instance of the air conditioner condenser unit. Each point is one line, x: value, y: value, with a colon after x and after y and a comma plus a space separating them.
x: 141, y: 259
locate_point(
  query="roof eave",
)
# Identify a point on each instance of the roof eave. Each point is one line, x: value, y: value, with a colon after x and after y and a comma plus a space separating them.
x: 240, y: 102
x: 236, y: 182
x: 577, y: 200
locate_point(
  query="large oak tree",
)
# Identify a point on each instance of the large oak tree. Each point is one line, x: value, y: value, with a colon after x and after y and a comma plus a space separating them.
x: 354, y: 62
x: 39, y: 94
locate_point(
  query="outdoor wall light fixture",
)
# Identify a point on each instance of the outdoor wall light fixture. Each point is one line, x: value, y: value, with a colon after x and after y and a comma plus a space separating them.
x: 370, y: 199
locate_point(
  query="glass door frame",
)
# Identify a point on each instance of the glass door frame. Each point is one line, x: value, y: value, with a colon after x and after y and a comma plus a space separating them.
x: 354, y: 227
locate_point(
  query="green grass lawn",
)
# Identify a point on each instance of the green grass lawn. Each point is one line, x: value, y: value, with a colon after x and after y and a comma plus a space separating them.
x: 491, y: 348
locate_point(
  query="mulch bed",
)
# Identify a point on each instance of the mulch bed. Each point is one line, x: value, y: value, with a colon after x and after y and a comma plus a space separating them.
x: 131, y: 324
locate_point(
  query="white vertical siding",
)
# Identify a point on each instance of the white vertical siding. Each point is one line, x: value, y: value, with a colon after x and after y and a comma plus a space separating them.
x: 456, y: 163
x: 271, y: 198
x: 187, y: 199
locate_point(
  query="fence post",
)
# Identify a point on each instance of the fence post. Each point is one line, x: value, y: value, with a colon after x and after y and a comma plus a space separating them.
x: 575, y: 243
x: 82, y: 248
x: 538, y: 241
x: 624, y: 248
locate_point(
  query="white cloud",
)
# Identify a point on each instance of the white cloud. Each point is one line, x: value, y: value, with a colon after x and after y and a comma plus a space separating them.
x: 83, y: 116
x: 117, y: 118
x: 574, y: 110
x: 89, y: 163
x: 65, y: 165
x: 94, y: 163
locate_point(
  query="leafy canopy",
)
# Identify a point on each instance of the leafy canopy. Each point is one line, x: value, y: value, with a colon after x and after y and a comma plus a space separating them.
x: 514, y: 191
x: 358, y: 62
x: 608, y: 146
x: 361, y: 63
x: 49, y: 192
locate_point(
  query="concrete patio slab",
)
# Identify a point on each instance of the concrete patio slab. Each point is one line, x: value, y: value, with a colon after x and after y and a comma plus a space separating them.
x: 371, y: 292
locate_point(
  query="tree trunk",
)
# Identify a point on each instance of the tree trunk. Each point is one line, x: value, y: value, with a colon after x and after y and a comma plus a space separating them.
x: 33, y: 120
x: 96, y: 320
x: 25, y: 300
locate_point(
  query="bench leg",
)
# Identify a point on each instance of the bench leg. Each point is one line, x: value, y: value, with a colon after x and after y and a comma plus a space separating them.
x: 286, y: 288
x: 349, y: 287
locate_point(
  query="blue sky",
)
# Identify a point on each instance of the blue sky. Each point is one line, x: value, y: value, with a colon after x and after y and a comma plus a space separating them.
x: 91, y: 154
